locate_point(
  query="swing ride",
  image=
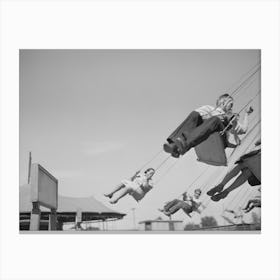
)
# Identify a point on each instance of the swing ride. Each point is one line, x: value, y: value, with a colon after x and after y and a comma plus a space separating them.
x: 212, y: 150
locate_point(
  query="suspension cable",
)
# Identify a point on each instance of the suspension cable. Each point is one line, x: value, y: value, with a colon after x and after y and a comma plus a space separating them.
x: 162, y: 163
x: 149, y: 161
x: 245, y: 81
x: 244, y: 75
x: 166, y: 172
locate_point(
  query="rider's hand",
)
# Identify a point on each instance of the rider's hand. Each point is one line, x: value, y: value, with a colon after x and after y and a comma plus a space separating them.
x: 249, y: 110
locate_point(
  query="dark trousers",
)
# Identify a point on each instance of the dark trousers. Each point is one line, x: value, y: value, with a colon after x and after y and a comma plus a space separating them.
x: 170, y: 204
x: 194, y: 130
x: 192, y: 121
x: 176, y: 204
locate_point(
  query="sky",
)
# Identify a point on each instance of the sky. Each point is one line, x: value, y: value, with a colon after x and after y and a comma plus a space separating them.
x: 94, y: 117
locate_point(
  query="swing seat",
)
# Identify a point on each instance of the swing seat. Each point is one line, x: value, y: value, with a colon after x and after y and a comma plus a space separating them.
x: 212, y: 150
x: 139, y: 193
x: 254, y: 164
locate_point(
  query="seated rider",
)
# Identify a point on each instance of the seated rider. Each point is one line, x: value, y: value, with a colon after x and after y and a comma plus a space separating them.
x: 138, y: 185
x: 238, y: 215
x: 244, y: 175
x: 188, y: 204
x: 254, y: 202
x: 203, y: 122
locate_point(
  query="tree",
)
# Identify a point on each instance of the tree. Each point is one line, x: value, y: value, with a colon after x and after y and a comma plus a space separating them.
x: 191, y: 226
x: 256, y: 219
x: 208, y: 221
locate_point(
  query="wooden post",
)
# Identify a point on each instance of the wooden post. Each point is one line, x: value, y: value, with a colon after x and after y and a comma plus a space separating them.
x: 78, y: 219
x: 52, y: 220
x: 59, y: 225
x: 35, y: 217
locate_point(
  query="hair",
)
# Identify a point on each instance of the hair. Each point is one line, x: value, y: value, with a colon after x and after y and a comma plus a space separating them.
x: 150, y: 168
x: 198, y: 190
x: 221, y: 99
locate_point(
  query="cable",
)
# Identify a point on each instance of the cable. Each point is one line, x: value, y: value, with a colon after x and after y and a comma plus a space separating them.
x: 161, y: 164
x: 236, y: 97
x: 245, y: 199
x: 244, y: 75
x: 196, y: 179
x: 148, y: 162
x: 234, y: 118
x: 166, y: 172
x: 245, y: 81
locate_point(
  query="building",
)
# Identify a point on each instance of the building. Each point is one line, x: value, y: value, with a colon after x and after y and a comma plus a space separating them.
x: 161, y: 225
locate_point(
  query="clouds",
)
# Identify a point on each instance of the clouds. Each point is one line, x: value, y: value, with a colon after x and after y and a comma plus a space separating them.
x: 101, y: 148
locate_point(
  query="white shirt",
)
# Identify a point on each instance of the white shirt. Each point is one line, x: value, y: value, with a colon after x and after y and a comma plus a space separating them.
x: 208, y: 111
x: 142, y: 181
x: 195, y: 202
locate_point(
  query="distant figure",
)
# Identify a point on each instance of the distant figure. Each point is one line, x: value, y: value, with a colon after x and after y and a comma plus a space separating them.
x: 252, y: 203
x: 237, y: 215
x: 245, y: 175
x: 203, y: 122
x: 188, y: 204
x: 138, y: 186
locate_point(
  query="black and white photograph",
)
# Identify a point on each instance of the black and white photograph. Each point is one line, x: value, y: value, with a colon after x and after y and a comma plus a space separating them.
x: 140, y: 140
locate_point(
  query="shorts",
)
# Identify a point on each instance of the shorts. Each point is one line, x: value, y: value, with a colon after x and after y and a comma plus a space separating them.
x: 130, y: 185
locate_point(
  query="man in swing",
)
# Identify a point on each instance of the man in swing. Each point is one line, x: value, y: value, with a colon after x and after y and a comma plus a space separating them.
x: 188, y: 204
x: 203, y: 122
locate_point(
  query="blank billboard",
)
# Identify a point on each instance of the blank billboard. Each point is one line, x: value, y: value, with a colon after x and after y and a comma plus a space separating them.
x: 44, y: 187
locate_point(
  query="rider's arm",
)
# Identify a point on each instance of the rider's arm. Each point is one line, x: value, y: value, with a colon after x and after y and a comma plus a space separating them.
x: 242, y: 127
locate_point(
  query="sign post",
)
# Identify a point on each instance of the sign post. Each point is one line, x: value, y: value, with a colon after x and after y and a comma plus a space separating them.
x: 44, y: 192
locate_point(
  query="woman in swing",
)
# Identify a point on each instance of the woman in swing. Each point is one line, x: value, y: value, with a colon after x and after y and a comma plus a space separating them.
x: 138, y: 186
x: 203, y: 122
x: 188, y: 204
x: 242, y: 173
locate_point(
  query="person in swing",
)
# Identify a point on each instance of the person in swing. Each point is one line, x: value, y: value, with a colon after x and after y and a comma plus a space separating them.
x: 138, y: 186
x: 188, y: 204
x: 253, y: 203
x: 242, y: 173
x: 203, y: 122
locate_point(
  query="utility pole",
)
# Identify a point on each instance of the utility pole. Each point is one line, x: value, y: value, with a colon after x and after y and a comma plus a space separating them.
x: 133, y: 217
x: 29, y: 167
